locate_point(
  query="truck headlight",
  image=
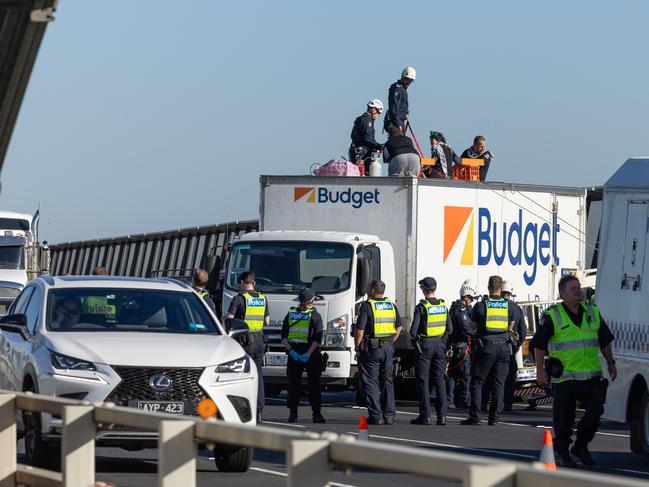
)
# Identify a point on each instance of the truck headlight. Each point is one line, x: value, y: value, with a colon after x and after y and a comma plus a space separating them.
x: 336, y: 332
x: 64, y: 362
x: 235, y: 366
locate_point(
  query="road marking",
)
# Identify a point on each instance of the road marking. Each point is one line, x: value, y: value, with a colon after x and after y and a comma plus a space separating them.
x: 284, y: 474
x: 613, y: 434
x: 446, y: 445
x: 285, y: 424
x: 628, y: 470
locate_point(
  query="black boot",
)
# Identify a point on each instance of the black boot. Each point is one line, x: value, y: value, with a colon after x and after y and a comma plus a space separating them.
x: 421, y: 420
x: 580, y: 450
x: 564, y: 459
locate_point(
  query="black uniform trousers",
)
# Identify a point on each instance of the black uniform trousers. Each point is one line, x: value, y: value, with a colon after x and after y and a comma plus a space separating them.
x: 510, y: 382
x: 376, y: 370
x: 459, y: 375
x: 564, y: 403
x: 430, y: 364
x: 491, y: 357
x: 294, y: 371
x: 257, y: 349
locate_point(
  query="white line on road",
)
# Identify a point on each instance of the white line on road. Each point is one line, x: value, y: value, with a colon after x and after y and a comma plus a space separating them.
x: 285, y: 424
x: 284, y: 474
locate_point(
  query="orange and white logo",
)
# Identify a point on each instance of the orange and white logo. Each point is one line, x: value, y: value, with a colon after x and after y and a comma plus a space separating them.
x: 299, y: 193
x: 455, y: 225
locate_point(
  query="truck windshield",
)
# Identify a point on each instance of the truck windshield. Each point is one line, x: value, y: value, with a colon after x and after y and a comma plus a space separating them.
x: 292, y: 266
x: 12, y: 257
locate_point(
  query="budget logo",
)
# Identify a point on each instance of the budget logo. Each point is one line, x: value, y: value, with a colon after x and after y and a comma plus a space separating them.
x: 299, y: 193
x: 457, y: 219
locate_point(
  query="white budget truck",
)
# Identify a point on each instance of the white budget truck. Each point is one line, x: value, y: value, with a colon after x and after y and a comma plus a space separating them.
x: 623, y: 295
x: 336, y: 234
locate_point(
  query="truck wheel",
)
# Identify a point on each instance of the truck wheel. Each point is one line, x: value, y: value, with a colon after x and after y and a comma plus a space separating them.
x: 237, y: 461
x: 640, y: 427
x: 38, y: 452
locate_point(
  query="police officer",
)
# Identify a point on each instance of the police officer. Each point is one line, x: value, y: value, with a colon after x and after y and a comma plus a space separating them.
x: 459, y: 366
x: 574, y: 333
x: 377, y: 328
x: 363, y: 134
x: 302, y: 337
x: 200, y: 278
x: 517, y: 339
x: 430, y: 327
x: 398, y: 108
x: 252, y: 307
x: 491, y: 319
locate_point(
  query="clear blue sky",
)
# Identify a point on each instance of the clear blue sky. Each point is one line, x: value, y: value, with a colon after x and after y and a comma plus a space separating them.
x: 152, y: 115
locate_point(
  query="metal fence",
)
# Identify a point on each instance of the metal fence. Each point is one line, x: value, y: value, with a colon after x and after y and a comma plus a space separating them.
x: 171, y: 253
x: 310, y: 456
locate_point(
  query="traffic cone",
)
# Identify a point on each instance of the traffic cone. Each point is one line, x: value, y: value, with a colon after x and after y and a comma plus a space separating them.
x: 546, y: 459
x: 363, y: 433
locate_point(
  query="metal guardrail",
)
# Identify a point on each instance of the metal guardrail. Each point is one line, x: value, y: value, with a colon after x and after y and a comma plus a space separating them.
x: 310, y: 456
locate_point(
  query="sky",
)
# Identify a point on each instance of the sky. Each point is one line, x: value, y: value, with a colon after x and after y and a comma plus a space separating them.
x: 154, y: 115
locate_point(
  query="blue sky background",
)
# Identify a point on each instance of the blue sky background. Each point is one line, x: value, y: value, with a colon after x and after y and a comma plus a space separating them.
x: 152, y: 115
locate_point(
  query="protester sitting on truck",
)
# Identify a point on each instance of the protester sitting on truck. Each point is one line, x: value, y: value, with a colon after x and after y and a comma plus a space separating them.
x: 398, y: 108
x: 401, y: 155
x: 444, y: 156
x: 363, y: 134
x: 479, y: 151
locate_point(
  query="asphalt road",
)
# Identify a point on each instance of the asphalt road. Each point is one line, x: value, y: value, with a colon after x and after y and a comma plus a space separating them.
x: 518, y: 437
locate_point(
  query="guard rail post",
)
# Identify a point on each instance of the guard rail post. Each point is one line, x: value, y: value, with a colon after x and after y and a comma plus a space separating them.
x: 8, y: 453
x: 78, y: 446
x: 307, y: 463
x: 176, y: 454
x: 499, y: 475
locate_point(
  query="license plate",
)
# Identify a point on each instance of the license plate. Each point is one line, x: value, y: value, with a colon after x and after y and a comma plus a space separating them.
x: 171, y: 407
x: 525, y: 374
x: 276, y: 360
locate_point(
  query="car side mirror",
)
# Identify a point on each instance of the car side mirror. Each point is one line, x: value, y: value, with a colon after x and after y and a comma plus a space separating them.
x: 236, y: 326
x: 18, y: 319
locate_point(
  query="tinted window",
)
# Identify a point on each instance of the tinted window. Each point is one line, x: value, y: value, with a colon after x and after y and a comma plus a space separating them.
x: 12, y: 257
x: 33, y: 309
x: 139, y: 310
x: 14, y: 224
x: 21, y: 301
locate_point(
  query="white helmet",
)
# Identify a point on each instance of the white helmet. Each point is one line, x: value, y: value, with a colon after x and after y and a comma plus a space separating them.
x: 409, y: 72
x: 375, y: 104
x: 468, y: 288
x: 507, y: 288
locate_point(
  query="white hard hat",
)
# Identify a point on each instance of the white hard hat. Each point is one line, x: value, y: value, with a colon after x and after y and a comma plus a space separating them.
x: 375, y: 104
x: 507, y: 288
x: 409, y: 72
x: 468, y: 288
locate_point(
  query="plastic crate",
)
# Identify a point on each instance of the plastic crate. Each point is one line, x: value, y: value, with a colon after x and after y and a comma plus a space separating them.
x: 469, y: 170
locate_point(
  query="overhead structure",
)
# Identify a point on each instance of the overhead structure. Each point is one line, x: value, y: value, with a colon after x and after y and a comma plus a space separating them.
x: 22, y: 26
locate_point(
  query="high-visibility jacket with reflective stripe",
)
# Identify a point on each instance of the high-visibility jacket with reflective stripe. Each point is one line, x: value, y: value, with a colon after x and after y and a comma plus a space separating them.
x: 497, y: 318
x: 255, y: 311
x: 435, y: 318
x: 576, y: 347
x: 385, y: 318
x: 203, y: 293
x: 298, y: 325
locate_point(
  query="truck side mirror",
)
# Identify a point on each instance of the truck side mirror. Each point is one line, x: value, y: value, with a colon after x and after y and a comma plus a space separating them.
x: 363, y: 276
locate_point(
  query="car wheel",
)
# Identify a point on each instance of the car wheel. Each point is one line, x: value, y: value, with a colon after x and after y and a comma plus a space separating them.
x: 237, y: 461
x: 38, y: 452
x: 640, y: 427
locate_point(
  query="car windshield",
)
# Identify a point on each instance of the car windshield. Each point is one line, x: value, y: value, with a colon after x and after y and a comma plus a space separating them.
x: 12, y: 257
x: 104, y: 309
x: 289, y: 267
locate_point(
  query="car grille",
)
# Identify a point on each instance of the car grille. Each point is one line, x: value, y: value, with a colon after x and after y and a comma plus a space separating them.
x: 135, y: 385
x: 8, y: 292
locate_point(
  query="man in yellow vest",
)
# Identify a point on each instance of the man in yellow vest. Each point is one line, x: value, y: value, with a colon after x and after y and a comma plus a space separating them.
x: 430, y: 327
x: 302, y: 336
x: 252, y: 307
x: 200, y: 278
x: 574, y: 333
x: 377, y: 328
x: 491, y: 320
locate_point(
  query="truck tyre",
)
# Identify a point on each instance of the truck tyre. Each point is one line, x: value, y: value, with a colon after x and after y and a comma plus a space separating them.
x: 38, y: 452
x: 640, y: 427
x: 236, y: 461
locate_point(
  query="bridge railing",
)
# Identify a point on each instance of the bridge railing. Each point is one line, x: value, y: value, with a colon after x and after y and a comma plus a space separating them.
x: 310, y: 456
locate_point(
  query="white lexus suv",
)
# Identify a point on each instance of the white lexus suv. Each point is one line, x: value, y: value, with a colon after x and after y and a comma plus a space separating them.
x: 151, y: 344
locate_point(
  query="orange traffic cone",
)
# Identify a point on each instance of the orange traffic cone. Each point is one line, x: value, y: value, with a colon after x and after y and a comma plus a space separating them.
x: 546, y: 459
x: 363, y: 433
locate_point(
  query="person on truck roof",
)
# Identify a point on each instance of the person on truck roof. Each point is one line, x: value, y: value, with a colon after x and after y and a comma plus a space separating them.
x: 443, y: 154
x: 398, y: 108
x: 400, y: 154
x: 364, y: 136
x: 479, y: 151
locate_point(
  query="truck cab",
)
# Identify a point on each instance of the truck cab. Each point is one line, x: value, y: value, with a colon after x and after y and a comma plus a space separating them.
x: 337, y: 266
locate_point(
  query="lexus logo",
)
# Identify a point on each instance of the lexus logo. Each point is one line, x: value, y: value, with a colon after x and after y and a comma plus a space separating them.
x: 159, y: 382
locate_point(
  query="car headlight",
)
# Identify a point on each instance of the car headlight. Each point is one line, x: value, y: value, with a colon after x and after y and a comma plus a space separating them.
x: 64, y: 362
x: 235, y: 366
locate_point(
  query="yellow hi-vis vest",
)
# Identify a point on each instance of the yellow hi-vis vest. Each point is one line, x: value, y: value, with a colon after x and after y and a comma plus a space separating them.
x: 203, y: 294
x: 576, y: 347
x: 298, y: 325
x: 435, y: 318
x: 385, y: 318
x: 497, y: 320
x: 255, y: 311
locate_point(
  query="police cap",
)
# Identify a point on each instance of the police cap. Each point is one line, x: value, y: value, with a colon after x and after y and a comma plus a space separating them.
x: 428, y: 283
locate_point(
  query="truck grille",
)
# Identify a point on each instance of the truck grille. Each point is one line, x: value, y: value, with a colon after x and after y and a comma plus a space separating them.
x: 135, y: 385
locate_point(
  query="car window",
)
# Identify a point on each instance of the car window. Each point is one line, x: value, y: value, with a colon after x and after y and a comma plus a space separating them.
x: 33, y: 309
x: 141, y: 310
x: 21, y: 301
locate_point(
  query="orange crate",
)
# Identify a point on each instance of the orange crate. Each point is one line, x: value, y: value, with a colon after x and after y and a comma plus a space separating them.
x: 469, y: 170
